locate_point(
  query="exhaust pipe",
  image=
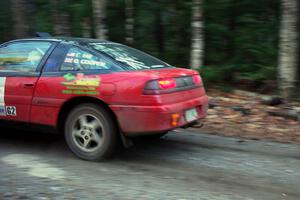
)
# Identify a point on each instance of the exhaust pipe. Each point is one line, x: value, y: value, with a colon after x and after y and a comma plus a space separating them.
x: 196, y: 124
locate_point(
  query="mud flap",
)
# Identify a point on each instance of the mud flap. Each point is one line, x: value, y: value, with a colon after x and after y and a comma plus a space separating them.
x: 127, y: 142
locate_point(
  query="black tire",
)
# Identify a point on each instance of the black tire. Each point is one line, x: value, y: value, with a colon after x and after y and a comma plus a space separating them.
x: 107, y: 132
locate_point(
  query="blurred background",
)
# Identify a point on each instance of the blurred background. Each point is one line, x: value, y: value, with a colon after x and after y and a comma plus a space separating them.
x: 237, y: 45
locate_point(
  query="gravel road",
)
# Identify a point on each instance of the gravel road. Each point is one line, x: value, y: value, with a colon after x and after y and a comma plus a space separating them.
x: 182, y: 165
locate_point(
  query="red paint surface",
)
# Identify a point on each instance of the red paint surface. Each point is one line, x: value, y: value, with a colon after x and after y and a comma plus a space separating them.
x: 19, y: 94
x: 122, y: 91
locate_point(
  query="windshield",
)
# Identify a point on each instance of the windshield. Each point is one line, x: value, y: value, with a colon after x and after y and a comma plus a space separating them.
x: 133, y: 58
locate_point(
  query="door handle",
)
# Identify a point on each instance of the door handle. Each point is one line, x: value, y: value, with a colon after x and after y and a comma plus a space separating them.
x: 29, y: 85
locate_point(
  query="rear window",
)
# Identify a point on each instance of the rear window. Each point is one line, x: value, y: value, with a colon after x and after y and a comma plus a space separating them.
x: 132, y: 58
x: 80, y: 60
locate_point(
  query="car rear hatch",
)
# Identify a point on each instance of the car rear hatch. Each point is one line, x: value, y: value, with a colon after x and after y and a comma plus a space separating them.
x: 175, y: 85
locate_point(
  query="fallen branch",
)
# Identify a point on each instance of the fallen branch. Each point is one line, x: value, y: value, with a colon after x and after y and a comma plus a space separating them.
x: 273, y: 101
x: 290, y: 114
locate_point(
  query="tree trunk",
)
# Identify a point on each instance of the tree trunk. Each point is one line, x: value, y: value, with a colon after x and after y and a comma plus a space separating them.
x: 86, y: 27
x: 197, y: 35
x: 129, y: 22
x: 232, y: 25
x: 30, y: 12
x: 21, y: 28
x: 61, y: 20
x: 99, y: 12
x: 159, y: 32
x: 287, y: 76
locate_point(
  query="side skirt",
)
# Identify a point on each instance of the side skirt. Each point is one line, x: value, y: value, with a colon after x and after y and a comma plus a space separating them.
x: 28, y: 126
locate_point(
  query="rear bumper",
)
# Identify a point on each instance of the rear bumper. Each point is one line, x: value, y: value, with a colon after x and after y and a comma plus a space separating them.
x: 136, y: 120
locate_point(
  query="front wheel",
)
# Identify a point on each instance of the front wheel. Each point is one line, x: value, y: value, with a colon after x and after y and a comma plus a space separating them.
x: 90, y: 132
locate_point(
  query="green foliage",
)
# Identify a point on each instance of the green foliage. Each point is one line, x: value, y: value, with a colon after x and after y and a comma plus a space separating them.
x: 5, y: 21
x: 241, y: 36
x: 116, y: 20
x: 241, y: 39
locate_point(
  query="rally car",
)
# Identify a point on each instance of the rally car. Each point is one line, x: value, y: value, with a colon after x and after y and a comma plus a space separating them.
x: 95, y: 92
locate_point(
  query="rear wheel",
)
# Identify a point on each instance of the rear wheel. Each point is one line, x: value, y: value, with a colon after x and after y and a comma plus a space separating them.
x: 90, y: 132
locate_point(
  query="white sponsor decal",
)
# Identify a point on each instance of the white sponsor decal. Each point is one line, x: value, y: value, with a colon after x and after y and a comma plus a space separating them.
x: 11, y: 111
x: 2, y: 92
x: 5, y: 110
x: 2, y: 111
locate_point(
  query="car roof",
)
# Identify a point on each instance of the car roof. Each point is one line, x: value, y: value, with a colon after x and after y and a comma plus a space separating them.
x: 81, y: 41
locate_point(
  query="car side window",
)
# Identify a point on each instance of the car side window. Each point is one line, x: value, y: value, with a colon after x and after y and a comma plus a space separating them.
x: 80, y: 60
x: 22, y: 56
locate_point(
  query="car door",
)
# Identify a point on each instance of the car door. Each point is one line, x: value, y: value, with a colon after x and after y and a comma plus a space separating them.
x: 20, y: 65
x: 70, y: 72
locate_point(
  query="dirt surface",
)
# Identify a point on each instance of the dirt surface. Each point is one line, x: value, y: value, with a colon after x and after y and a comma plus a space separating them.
x: 244, y: 114
x: 183, y: 165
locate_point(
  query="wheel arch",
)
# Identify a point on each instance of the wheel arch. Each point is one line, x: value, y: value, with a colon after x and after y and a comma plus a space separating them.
x: 67, y: 107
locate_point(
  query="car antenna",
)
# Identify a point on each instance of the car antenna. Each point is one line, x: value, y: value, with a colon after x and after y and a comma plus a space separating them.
x: 42, y: 34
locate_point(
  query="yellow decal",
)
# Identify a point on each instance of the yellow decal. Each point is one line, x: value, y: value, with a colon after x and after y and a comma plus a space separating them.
x: 81, y: 84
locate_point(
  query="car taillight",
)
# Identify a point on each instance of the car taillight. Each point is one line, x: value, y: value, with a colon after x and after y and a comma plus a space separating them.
x: 197, y: 80
x: 160, y: 86
x: 167, y: 83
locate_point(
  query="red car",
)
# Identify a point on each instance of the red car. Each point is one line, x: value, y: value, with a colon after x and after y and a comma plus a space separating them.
x: 95, y: 92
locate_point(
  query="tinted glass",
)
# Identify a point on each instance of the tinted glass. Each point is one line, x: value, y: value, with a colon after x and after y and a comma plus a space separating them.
x: 132, y: 58
x: 22, y: 56
x: 80, y: 60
